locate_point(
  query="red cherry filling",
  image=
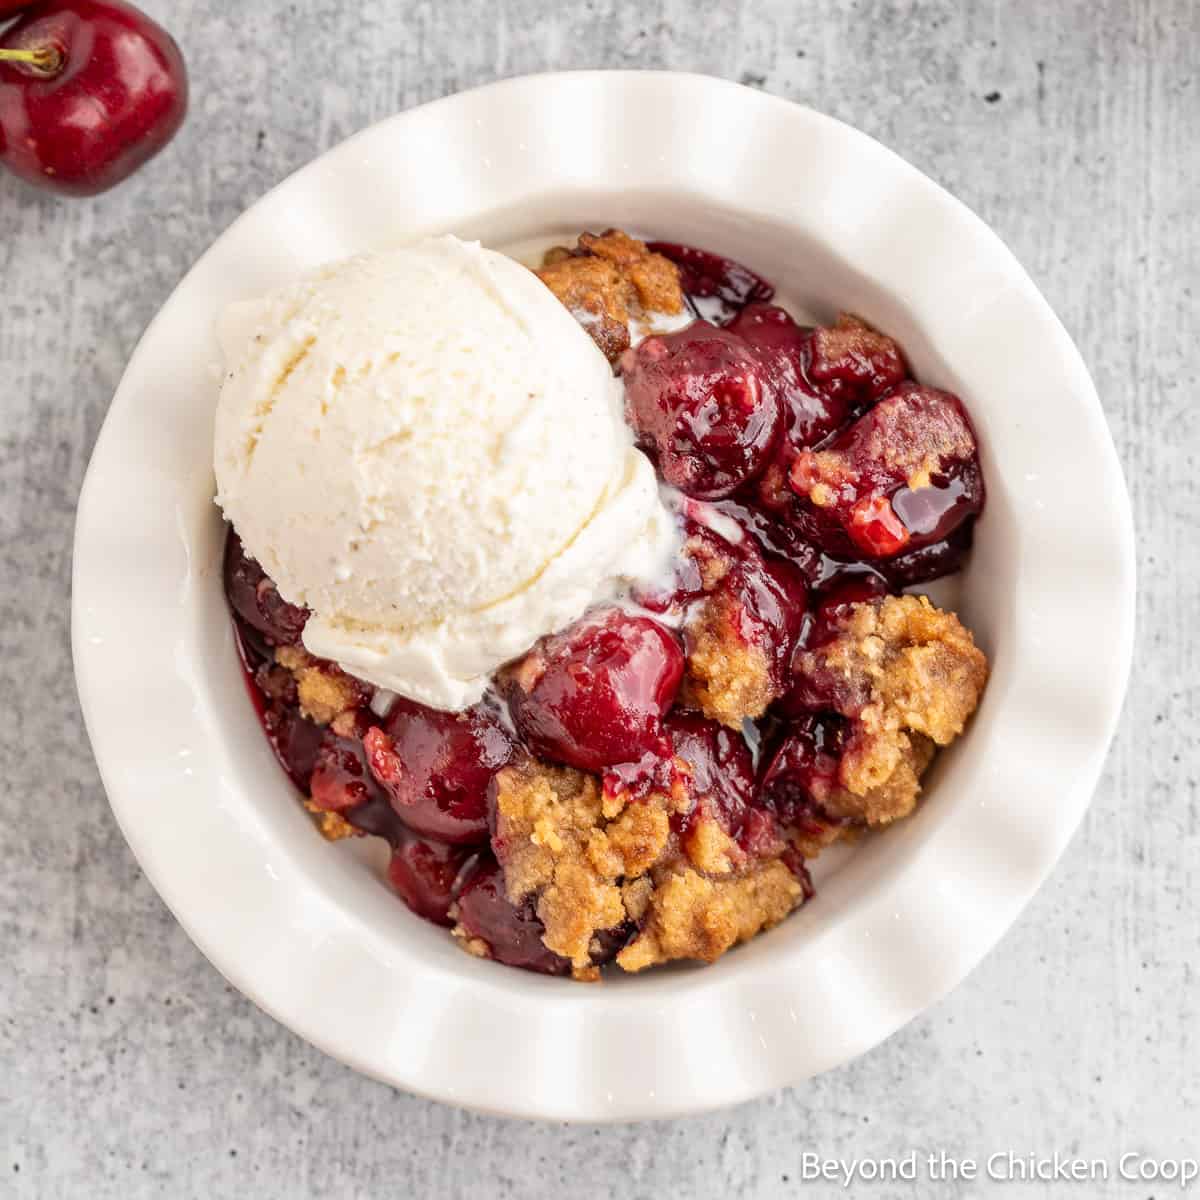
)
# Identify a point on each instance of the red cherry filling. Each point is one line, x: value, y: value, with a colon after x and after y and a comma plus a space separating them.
x: 829, y: 606
x: 698, y: 404
x: 595, y: 694
x: 514, y: 935
x: 294, y: 739
x: 803, y: 771
x: 719, y: 774
x: 255, y: 598
x: 836, y: 597
x: 903, y: 476
x: 854, y: 363
x: 783, y: 348
x: 428, y: 875
x: 436, y: 766
x: 764, y: 598
x: 706, y: 276
x: 340, y: 779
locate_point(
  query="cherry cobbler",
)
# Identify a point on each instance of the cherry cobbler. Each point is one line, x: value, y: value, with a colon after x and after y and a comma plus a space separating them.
x: 649, y: 783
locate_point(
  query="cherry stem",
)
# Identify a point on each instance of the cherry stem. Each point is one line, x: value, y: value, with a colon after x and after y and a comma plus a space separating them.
x: 45, y: 60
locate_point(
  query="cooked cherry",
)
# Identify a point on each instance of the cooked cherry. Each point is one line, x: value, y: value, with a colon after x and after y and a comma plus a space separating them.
x: 595, y: 694
x: 254, y: 597
x: 905, y: 475
x: 719, y: 775
x: 803, y: 770
x: 853, y: 362
x: 782, y: 346
x: 697, y: 402
x: 340, y: 779
x: 514, y: 935
x: 932, y: 561
x: 708, y: 276
x: 829, y: 605
x: 435, y: 767
x: 428, y: 875
x: 294, y: 739
x: 833, y: 602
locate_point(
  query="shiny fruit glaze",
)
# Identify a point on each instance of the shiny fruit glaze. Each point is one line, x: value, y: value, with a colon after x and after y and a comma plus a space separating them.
x: 595, y: 695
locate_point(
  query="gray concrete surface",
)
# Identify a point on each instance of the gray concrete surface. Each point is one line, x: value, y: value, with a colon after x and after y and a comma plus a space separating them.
x: 129, y: 1069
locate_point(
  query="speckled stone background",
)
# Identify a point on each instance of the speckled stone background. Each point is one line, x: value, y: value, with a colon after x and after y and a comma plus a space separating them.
x: 129, y: 1069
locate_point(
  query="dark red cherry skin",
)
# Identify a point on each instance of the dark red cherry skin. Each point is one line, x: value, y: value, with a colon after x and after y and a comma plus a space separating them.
x: 294, y: 739
x: 341, y: 780
x: 782, y: 346
x: 706, y: 276
x: 828, y: 607
x: 436, y: 766
x: 116, y: 98
x: 869, y: 511
x: 698, y: 404
x: 852, y: 363
x: 773, y: 599
x: 802, y: 771
x: 428, y: 875
x: 514, y: 935
x: 254, y: 597
x: 931, y: 561
x: 719, y: 771
x: 594, y: 695
x: 836, y: 598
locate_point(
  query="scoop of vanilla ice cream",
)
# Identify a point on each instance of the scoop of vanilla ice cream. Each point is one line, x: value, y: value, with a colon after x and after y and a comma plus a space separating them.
x: 425, y: 449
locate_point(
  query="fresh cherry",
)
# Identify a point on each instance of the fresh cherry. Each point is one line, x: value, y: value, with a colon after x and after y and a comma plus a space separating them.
x: 906, y: 474
x: 697, y: 401
x: 255, y: 598
x: 428, y: 875
x: 595, y: 694
x: 89, y: 91
x: 435, y: 766
x: 514, y: 935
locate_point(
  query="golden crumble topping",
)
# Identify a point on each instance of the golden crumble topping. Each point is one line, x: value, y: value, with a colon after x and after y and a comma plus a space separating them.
x: 692, y: 916
x: 333, y: 826
x: 726, y: 678
x: 325, y: 691
x: 852, y: 337
x: 594, y: 863
x: 558, y: 839
x: 908, y: 676
x: 609, y: 279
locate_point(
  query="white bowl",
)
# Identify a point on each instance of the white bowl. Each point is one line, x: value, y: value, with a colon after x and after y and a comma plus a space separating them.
x: 308, y: 931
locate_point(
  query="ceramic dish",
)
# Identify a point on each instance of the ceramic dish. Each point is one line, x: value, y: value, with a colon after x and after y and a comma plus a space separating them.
x: 309, y: 931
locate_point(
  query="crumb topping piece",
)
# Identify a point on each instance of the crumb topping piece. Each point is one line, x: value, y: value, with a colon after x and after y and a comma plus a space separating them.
x: 325, y: 691
x: 692, y: 916
x: 607, y: 280
x: 333, y: 826
x: 727, y: 678
x: 560, y: 838
x: 907, y: 676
